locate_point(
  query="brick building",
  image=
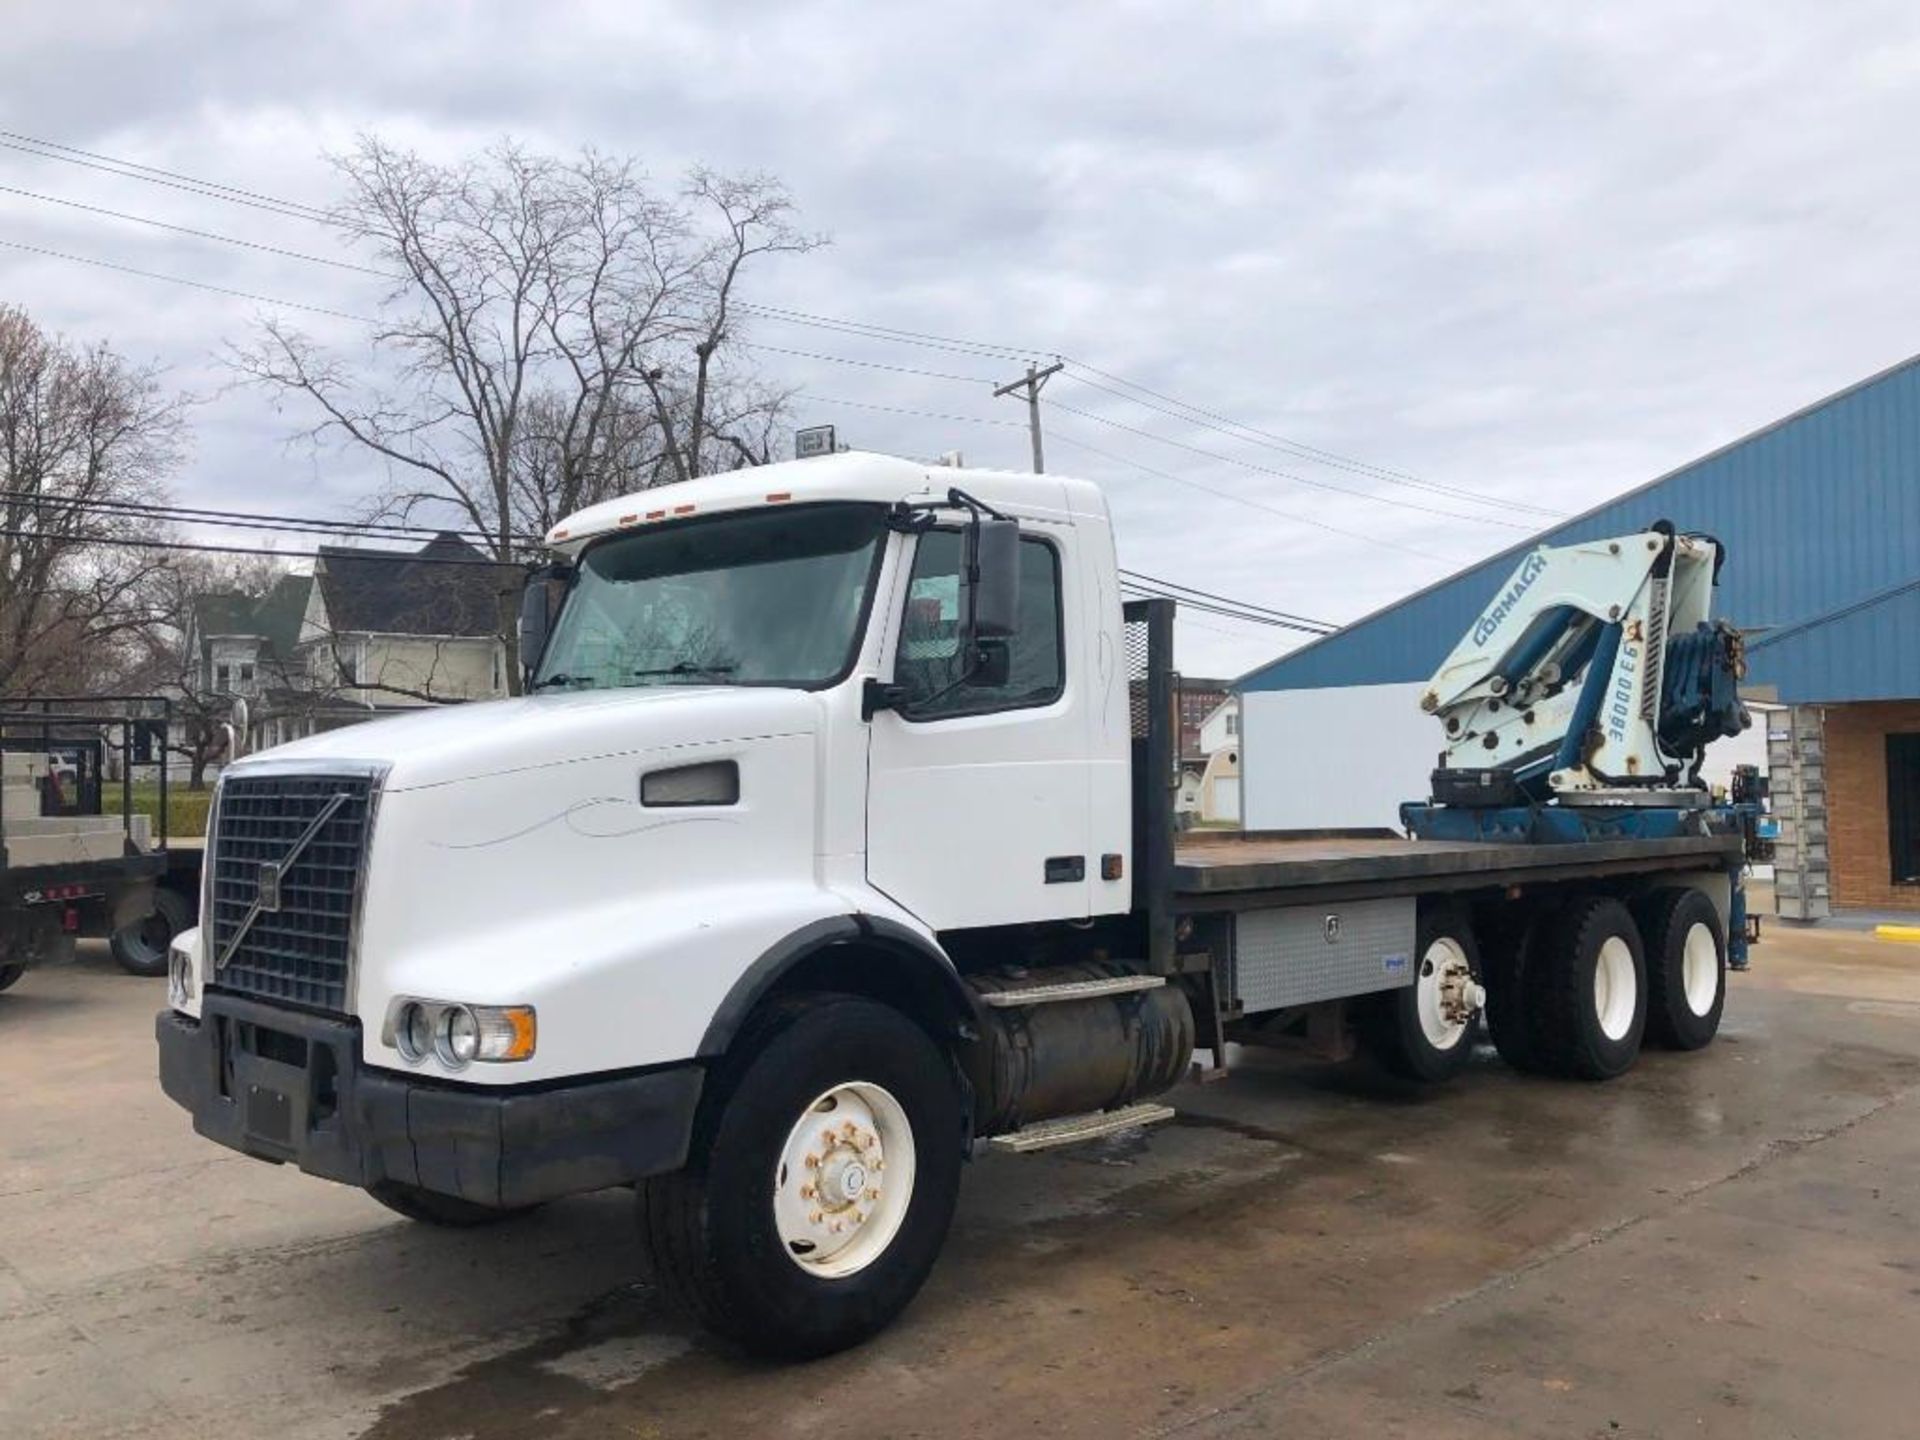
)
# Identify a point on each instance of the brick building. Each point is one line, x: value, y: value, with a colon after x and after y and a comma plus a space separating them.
x: 1820, y: 514
x: 1198, y: 699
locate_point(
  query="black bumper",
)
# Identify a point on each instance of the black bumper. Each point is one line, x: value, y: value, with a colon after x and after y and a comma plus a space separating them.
x: 289, y: 1087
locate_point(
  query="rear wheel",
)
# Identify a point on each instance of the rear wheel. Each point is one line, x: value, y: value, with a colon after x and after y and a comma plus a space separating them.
x: 9, y: 974
x: 1586, y: 982
x: 1686, y: 967
x: 820, y: 1189
x: 141, y: 948
x: 1509, y: 1022
x: 430, y: 1207
x: 1424, y: 1031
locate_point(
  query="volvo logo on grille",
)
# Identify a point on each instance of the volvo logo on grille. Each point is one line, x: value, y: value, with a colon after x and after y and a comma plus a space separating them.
x: 266, y: 894
x: 1333, y: 929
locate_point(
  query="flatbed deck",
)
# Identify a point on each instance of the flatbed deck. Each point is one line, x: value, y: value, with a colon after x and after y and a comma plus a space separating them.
x: 1223, y: 865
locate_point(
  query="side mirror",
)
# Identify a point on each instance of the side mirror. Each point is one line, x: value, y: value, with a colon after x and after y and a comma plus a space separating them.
x: 994, y: 566
x: 536, y: 613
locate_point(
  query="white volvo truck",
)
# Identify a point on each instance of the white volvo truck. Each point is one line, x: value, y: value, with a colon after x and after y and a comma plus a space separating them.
x: 834, y: 839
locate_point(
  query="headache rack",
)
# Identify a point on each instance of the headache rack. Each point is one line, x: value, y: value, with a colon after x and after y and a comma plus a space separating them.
x: 55, y: 780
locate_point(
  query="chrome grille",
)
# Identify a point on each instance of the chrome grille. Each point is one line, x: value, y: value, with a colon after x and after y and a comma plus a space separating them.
x: 298, y: 951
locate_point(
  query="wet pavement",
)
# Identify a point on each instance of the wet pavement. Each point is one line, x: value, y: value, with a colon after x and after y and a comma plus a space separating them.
x: 1725, y: 1243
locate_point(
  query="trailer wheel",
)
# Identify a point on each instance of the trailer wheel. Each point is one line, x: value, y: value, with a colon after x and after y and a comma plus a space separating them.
x: 141, y: 948
x: 1509, y: 1023
x: 430, y: 1207
x: 1424, y: 1031
x: 822, y: 1183
x: 1587, y: 986
x: 1686, y: 967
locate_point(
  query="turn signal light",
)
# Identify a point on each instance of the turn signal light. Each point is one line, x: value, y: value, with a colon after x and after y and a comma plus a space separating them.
x: 506, y: 1032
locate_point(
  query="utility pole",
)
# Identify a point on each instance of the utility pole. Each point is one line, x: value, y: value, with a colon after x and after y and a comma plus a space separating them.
x: 1031, y: 383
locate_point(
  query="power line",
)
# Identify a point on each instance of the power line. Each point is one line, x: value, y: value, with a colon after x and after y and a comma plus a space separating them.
x: 246, y: 520
x: 182, y: 280
x: 902, y: 410
x: 206, y: 189
x: 1246, y: 500
x: 1280, y: 474
x: 1236, y: 430
x: 863, y: 364
x: 141, y: 543
x: 1136, y: 575
x: 1205, y: 608
x: 921, y: 338
x: 199, y: 234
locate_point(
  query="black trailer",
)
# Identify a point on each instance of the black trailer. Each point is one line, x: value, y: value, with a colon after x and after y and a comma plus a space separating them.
x: 70, y: 868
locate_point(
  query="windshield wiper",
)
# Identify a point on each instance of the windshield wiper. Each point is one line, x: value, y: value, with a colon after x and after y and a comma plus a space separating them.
x: 560, y: 680
x: 687, y: 667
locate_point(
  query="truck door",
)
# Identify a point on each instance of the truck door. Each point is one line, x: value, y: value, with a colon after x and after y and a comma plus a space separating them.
x: 978, y: 794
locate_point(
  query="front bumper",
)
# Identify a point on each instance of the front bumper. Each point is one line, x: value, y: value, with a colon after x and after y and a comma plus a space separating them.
x: 285, y: 1086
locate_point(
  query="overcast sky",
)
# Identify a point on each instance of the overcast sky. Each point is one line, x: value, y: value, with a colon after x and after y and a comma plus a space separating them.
x: 1538, y: 253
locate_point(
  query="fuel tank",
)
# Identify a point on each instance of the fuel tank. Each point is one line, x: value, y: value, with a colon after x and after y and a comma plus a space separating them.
x: 1068, y: 1057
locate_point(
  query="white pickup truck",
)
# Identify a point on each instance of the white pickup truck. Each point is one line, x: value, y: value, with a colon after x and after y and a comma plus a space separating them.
x: 834, y: 838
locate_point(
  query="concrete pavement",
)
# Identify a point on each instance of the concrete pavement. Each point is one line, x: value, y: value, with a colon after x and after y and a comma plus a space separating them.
x: 1719, y: 1244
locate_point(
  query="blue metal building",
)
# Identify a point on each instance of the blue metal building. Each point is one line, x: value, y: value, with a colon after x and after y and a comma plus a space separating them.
x: 1820, y: 513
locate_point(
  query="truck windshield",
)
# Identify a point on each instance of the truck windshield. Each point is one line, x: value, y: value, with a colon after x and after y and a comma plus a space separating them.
x: 764, y: 597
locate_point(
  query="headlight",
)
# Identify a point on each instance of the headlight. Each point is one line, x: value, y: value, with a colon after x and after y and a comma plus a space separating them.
x: 413, y: 1031
x: 457, y: 1035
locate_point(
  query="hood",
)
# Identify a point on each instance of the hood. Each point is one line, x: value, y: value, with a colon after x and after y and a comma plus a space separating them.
x: 465, y: 742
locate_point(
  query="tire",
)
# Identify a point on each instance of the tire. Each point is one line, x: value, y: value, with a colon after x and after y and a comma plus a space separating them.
x: 31, y: 938
x: 430, y: 1207
x: 737, y: 1241
x: 1586, y: 982
x: 1509, y: 1018
x: 1686, y: 967
x: 141, y: 948
x: 1419, y: 1031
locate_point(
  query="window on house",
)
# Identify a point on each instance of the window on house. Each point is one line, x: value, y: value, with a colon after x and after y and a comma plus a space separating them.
x: 1233, y: 723
x: 1903, y: 807
x: 222, y: 678
x: 246, y: 674
x: 929, y: 662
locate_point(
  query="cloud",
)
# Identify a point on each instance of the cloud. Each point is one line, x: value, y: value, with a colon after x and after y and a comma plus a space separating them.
x: 1536, y: 253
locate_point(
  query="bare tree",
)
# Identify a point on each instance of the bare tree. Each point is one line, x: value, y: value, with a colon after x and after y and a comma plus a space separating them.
x: 559, y: 330
x: 85, y: 439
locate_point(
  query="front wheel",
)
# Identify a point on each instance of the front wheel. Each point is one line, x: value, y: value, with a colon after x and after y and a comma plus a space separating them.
x: 816, y: 1206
